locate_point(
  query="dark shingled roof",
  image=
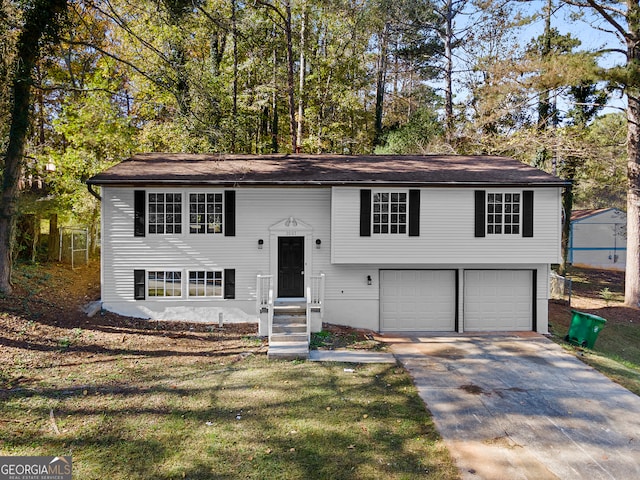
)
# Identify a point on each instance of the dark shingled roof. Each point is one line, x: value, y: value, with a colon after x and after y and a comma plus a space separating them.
x: 443, y: 170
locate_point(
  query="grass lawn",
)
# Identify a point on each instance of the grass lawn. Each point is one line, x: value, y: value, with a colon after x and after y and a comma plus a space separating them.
x: 134, y: 400
x: 616, y: 352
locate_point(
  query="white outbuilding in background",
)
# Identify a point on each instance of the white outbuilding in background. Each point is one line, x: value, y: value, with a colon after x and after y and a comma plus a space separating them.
x: 598, y: 238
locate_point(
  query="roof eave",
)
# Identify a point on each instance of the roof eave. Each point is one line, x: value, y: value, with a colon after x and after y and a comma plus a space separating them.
x: 362, y: 183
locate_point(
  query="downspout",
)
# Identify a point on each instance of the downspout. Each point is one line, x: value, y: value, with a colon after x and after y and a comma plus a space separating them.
x: 93, y: 192
x: 571, y: 243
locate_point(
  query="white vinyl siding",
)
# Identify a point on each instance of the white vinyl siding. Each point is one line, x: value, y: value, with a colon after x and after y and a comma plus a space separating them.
x: 446, y: 232
x: 188, y: 252
x: 446, y: 242
x: 417, y: 300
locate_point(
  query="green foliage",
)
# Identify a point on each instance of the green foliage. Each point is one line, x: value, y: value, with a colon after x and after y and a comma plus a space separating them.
x: 211, y: 76
x: 319, y: 339
x: 602, y: 181
x: 95, y: 134
x: 414, y: 137
x: 8, y: 15
x: 607, y: 295
x: 554, y: 43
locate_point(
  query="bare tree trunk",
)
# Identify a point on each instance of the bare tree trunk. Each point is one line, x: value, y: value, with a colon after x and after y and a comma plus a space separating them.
x: 630, y: 31
x: 301, y: 94
x: 544, y: 105
x: 54, y: 242
x: 567, y: 207
x: 35, y: 237
x: 235, y: 76
x: 293, y: 130
x: 287, y: 26
x: 94, y: 229
x: 43, y: 16
x: 632, y: 276
x: 448, y: 73
x: 274, y: 105
x: 381, y: 84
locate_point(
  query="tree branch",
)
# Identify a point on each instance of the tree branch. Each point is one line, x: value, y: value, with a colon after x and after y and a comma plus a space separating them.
x: 607, y: 12
x: 273, y: 8
x: 118, y: 59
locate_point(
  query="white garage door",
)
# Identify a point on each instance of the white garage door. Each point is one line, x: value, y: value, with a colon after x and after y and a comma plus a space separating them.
x: 417, y: 300
x: 498, y: 300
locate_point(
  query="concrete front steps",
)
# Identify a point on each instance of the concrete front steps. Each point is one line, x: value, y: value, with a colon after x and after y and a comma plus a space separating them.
x: 288, y: 340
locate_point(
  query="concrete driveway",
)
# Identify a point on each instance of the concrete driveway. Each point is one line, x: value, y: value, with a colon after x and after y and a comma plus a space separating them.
x: 518, y: 407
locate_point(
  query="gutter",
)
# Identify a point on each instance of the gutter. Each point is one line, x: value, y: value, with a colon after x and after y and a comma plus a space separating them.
x: 338, y: 183
x: 93, y: 192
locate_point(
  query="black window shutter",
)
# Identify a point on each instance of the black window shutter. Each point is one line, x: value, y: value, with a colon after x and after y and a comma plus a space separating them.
x: 414, y: 213
x: 527, y: 213
x: 480, y: 209
x: 365, y: 213
x: 138, y: 284
x: 229, y: 283
x: 138, y: 212
x: 229, y: 213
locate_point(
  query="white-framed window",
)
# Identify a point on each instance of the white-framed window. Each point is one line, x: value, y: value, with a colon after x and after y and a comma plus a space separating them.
x: 389, y: 212
x: 165, y: 213
x: 203, y: 283
x: 164, y: 283
x: 205, y: 212
x: 503, y: 213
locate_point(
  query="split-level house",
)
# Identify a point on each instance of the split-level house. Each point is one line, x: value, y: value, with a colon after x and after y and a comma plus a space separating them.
x: 387, y: 243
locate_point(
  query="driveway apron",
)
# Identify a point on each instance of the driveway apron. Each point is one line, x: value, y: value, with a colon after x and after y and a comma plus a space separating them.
x: 519, y: 407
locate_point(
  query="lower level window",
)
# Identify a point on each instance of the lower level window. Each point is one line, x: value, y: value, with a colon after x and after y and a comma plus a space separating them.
x: 205, y: 284
x: 164, y: 284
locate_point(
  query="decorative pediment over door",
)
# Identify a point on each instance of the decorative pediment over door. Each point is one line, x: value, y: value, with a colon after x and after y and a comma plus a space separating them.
x: 290, y: 227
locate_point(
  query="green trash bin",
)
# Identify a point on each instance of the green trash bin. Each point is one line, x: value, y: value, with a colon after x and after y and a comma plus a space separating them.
x: 584, y: 329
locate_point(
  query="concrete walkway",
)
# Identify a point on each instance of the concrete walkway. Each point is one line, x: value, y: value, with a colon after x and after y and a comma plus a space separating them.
x: 518, y: 407
x: 351, y: 356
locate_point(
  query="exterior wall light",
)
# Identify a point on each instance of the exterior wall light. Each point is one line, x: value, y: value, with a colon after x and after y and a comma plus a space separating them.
x: 369, y: 280
x: 260, y: 244
x: 318, y: 242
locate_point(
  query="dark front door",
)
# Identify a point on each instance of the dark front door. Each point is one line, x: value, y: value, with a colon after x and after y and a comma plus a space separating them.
x: 291, y: 266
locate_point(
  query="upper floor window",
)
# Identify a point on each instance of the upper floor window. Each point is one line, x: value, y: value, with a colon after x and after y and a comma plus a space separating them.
x: 503, y: 213
x: 162, y: 213
x: 390, y: 212
x: 205, y: 212
x: 165, y: 213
